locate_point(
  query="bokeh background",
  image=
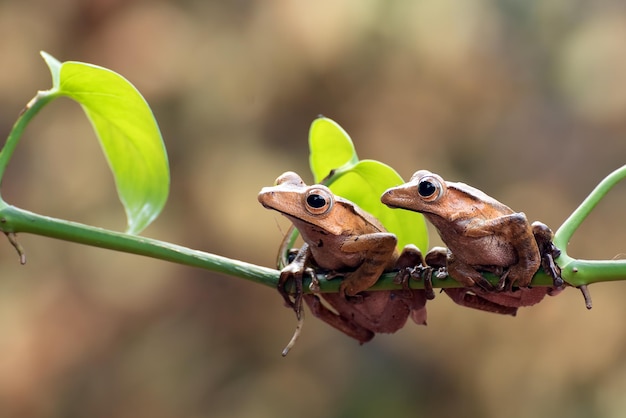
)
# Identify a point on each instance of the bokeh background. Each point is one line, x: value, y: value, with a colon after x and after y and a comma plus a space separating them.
x: 525, y: 100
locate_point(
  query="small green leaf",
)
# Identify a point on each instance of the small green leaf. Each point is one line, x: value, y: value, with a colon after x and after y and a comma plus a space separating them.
x: 127, y: 131
x: 330, y: 148
x: 362, y: 182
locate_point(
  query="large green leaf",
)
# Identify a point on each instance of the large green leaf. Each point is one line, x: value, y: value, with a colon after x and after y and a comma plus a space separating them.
x: 334, y: 161
x: 127, y: 131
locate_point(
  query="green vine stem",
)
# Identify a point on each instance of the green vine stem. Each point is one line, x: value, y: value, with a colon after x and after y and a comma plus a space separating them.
x: 32, y: 108
x: 579, y: 272
x: 16, y: 220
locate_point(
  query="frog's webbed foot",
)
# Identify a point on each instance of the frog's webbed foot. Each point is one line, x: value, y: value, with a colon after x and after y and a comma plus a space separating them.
x: 549, y: 252
x: 410, y: 265
x: 417, y: 273
x: 436, y: 260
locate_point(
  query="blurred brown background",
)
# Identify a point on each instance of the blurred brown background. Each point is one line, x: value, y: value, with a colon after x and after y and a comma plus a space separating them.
x: 525, y: 100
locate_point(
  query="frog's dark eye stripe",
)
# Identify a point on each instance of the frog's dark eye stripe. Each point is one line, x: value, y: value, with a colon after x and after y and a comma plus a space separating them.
x: 318, y: 201
x: 429, y: 189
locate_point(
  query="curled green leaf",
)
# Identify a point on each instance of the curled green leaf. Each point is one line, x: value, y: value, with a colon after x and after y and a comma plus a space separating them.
x: 127, y: 131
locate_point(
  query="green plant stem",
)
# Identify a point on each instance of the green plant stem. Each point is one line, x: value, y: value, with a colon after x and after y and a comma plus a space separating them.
x: 15, y: 220
x: 571, y: 224
x: 583, y: 272
x: 579, y: 272
x: 32, y: 108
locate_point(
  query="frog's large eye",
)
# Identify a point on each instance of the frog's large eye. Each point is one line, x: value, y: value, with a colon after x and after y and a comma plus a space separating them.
x: 429, y: 188
x: 318, y: 201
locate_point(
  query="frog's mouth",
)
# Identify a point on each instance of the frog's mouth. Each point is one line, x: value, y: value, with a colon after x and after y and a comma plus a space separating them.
x: 393, y: 206
x: 266, y: 206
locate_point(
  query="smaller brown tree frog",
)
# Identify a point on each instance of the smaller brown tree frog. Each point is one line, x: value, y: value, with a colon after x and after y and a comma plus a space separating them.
x: 482, y: 235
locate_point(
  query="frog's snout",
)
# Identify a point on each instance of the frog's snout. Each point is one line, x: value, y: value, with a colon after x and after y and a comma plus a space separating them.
x: 264, y: 196
x: 388, y: 198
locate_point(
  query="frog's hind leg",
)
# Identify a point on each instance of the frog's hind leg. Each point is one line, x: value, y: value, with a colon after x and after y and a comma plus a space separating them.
x: 464, y: 297
x: 521, y: 273
x: 362, y: 335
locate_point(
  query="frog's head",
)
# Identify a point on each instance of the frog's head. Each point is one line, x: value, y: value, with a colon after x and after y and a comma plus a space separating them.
x: 426, y: 192
x: 314, y: 206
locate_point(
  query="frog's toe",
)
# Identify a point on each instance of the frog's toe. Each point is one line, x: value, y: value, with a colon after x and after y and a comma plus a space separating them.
x: 484, y: 284
x: 347, y: 291
x: 427, y: 275
x: 349, y: 295
x: 402, y: 277
x: 282, y: 289
x: 502, y: 285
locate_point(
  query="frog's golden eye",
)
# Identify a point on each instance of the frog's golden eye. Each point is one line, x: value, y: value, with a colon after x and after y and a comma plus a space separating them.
x: 318, y: 201
x: 429, y: 188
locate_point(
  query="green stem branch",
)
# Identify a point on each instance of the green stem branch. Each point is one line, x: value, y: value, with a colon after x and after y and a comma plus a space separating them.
x: 571, y: 224
x: 16, y: 220
x: 32, y: 108
x: 579, y: 272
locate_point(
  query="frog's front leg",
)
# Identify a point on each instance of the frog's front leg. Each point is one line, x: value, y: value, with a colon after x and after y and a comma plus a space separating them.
x: 337, y: 321
x: 378, y: 249
x: 529, y: 259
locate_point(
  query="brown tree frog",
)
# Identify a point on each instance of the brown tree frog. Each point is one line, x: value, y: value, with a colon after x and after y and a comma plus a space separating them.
x: 482, y: 235
x: 342, y: 239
